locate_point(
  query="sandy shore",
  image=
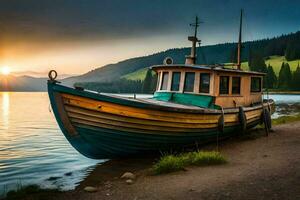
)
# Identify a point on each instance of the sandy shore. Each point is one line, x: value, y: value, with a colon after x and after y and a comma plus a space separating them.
x: 259, y: 167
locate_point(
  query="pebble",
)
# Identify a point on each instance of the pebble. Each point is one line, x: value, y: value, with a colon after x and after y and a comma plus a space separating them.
x: 128, y: 175
x: 90, y: 189
x: 129, y: 181
x: 108, y: 184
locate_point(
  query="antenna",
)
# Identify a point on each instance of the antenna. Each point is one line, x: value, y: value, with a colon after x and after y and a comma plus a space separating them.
x: 240, y: 42
x: 192, y: 58
x: 196, y: 25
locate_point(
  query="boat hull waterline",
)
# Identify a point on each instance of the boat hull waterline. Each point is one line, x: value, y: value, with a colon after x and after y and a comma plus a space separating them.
x: 101, y: 126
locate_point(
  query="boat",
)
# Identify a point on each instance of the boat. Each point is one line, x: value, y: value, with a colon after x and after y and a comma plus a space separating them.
x: 193, y: 104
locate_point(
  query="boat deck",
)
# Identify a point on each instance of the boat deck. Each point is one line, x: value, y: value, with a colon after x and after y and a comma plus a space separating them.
x: 151, y: 101
x: 169, y: 105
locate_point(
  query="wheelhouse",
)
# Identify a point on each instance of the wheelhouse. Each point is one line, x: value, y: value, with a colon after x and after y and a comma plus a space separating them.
x: 208, y: 86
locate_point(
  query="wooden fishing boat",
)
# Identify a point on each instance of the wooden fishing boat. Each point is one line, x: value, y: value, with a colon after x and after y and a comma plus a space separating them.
x: 192, y: 104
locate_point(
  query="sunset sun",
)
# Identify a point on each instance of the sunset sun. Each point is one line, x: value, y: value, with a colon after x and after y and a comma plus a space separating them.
x: 5, y: 70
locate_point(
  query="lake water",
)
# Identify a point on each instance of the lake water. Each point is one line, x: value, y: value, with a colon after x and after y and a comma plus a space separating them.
x: 286, y: 104
x: 33, y: 149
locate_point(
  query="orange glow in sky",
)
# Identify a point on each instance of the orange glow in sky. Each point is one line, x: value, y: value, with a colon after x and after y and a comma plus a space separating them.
x: 69, y: 57
x: 5, y: 70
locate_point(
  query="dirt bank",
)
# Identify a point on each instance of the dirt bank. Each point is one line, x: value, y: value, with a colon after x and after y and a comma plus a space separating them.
x: 258, y: 168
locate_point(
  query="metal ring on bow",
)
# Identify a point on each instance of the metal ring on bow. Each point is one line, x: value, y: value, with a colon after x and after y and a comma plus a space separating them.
x: 52, y: 75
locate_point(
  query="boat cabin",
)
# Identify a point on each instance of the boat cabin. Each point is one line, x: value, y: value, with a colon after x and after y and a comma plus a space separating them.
x: 208, y: 86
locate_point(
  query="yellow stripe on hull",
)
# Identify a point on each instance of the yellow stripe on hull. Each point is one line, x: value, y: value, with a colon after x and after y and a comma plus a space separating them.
x: 118, y: 124
x: 138, y: 112
x: 119, y: 118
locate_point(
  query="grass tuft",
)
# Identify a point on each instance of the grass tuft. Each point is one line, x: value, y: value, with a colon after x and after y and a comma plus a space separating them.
x: 30, y: 190
x: 172, y: 163
x: 207, y: 158
x: 286, y: 119
x: 169, y: 163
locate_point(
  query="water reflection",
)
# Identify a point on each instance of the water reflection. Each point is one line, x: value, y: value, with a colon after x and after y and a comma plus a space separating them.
x: 5, y: 109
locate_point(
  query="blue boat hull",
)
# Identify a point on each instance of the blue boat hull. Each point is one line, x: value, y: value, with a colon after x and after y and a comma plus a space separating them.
x: 98, y: 142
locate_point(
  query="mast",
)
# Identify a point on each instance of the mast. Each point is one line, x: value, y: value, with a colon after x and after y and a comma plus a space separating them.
x: 191, y: 59
x: 240, y: 42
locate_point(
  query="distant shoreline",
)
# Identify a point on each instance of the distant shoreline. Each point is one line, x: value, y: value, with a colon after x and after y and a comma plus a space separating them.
x: 283, y: 92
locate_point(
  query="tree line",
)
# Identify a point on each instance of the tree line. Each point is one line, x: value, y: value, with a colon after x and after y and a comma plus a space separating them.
x: 146, y: 86
x: 285, y: 45
x: 286, y: 80
x: 119, y: 86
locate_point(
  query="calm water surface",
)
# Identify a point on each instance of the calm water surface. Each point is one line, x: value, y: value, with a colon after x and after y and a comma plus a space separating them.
x: 33, y: 149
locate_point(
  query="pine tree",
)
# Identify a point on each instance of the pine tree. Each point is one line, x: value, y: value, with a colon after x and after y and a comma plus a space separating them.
x: 285, y: 77
x: 147, y: 84
x: 290, y: 53
x: 250, y: 58
x: 153, y: 83
x: 296, y: 78
x: 233, y: 55
x: 257, y: 63
x: 281, y: 76
x: 271, y: 78
x: 288, y: 75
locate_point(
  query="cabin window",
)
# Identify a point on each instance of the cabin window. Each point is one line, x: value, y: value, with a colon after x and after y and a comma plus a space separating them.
x: 224, y: 84
x: 175, y: 81
x: 255, y: 84
x: 236, y: 85
x: 204, y: 82
x: 164, y: 83
x: 189, y: 82
x: 158, y: 79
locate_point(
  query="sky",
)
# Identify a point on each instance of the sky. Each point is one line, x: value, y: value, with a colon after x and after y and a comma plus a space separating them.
x: 76, y: 36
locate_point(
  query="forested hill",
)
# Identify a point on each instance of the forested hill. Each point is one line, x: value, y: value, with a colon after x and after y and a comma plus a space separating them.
x: 285, y: 45
x: 22, y: 83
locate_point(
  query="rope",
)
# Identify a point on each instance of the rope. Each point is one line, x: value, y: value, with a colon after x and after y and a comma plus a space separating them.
x: 220, y: 126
